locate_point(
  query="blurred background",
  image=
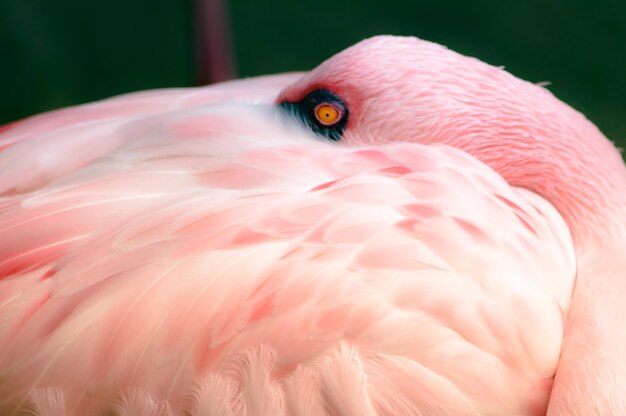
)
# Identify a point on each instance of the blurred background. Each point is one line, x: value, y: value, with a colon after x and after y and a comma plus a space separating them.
x: 65, y: 52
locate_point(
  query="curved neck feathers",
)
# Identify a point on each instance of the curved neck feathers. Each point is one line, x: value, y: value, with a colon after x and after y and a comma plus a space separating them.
x: 590, y: 194
x: 587, y: 183
x: 584, y: 176
x: 580, y: 172
x: 591, y: 375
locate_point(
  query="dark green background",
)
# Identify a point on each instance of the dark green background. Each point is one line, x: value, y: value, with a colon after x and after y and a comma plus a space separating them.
x: 63, y: 52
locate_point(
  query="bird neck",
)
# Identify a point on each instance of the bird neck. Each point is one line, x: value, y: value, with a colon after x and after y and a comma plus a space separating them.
x: 582, y: 175
x: 595, y: 210
x: 591, y: 374
x: 591, y: 196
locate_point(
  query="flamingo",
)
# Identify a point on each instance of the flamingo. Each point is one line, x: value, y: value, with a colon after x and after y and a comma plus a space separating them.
x: 401, y: 231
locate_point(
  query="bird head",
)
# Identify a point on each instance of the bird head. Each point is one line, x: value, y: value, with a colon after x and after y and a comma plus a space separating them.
x: 387, y: 89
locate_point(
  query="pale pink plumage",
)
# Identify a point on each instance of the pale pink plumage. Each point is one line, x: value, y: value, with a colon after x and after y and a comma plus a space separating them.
x: 190, y: 251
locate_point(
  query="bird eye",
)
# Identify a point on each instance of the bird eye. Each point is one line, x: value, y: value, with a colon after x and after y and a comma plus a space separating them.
x: 327, y: 114
x: 322, y: 111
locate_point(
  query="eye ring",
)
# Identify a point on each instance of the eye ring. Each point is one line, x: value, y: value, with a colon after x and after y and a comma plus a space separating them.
x: 308, y: 108
x: 327, y: 114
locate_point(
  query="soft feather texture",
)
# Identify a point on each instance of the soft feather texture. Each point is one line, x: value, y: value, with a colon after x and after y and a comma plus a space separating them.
x: 407, y: 89
x: 213, y: 259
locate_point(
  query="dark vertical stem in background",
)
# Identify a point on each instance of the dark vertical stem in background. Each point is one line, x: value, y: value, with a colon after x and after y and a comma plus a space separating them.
x: 214, y: 47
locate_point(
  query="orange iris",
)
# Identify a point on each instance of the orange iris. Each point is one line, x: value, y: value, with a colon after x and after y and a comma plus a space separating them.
x: 327, y: 114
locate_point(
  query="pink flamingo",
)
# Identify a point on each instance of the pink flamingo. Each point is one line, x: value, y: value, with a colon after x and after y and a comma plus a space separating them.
x: 189, y: 252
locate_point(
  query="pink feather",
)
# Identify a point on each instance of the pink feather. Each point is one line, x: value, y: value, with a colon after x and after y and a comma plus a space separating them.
x: 193, y: 251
